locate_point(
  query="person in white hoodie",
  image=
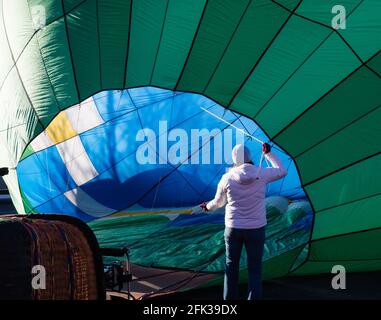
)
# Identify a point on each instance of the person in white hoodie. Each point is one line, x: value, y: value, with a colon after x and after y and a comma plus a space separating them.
x: 243, y: 189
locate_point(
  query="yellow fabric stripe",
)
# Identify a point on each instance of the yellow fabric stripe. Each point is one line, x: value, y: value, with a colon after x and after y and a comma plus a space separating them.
x: 60, y: 129
x: 137, y: 213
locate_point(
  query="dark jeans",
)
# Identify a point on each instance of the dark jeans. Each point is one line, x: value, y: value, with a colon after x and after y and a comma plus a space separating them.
x: 254, y: 240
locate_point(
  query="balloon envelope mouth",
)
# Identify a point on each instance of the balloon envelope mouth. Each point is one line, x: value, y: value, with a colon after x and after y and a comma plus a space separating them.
x: 143, y: 147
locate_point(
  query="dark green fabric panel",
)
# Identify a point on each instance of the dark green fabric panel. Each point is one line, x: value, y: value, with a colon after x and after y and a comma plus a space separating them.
x: 301, y: 258
x: 113, y: 16
x: 289, y: 4
x: 314, y: 79
x: 352, y: 183
x: 147, y: 20
x: 355, y: 216
x: 135, y: 228
x: 28, y: 151
x: 216, y: 29
x: 321, y: 11
x: 83, y: 37
x: 53, y: 44
x: 355, y: 97
x: 26, y: 204
x: 154, y: 243
x: 279, y: 64
x: 258, y: 27
x: 363, y: 31
x: 280, y: 265
x: 355, y: 246
x: 362, y: 26
x: 176, y: 42
x: 375, y: 63
x: 357, y: 141
x: 311, y: 268
x: 71, y: 4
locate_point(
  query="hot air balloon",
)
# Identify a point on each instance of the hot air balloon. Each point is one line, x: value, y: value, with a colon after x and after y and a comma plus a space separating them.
x: 88, y: 89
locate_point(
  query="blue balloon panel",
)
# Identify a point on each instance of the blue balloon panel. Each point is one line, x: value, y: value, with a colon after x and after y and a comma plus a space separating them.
x: 140, y: 148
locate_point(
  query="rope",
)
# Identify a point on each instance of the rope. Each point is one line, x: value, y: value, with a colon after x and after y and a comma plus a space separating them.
x: 232, y: 125
x: 180, y: 284
x: 156, y: 192
x: 245, y: 133
x: 197, y: 272
x: 260, y: 165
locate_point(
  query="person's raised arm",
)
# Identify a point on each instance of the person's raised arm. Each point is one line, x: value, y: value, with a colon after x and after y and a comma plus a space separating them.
x: 219, y: 199
x: 278, y: 171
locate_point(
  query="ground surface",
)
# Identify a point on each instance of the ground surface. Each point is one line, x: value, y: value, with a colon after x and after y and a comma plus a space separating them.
x: 360, y: 286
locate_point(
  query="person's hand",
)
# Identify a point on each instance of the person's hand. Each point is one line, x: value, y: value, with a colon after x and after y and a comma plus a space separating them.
x: 203, y: 206
x: 266, y: 148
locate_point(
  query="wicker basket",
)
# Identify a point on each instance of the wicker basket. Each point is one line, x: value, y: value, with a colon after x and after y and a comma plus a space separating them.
x: 64, y: 246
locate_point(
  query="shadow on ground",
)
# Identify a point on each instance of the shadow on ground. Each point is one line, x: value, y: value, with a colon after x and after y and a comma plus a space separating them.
x: 360, y: 286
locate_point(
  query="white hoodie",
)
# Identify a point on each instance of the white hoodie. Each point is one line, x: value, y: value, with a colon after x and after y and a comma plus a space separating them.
x: 243, y: 191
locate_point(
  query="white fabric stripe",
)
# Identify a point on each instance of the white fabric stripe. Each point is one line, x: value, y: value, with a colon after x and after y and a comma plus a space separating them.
x: 87, y: 204
x: 41, y: 142
x: 77, y: 161
x: 84, y: 116
x: 171, y: 217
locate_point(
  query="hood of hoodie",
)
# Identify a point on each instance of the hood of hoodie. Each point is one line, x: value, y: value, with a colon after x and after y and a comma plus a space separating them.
x: 244, y: 174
